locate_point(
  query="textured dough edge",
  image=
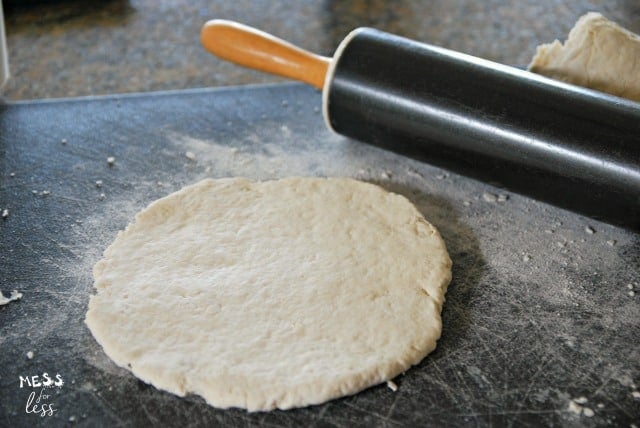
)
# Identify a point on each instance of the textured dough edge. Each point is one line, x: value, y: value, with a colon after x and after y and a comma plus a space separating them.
x: 598, y: 54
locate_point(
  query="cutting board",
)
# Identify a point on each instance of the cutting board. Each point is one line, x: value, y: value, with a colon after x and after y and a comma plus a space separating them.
x: 539, y: 314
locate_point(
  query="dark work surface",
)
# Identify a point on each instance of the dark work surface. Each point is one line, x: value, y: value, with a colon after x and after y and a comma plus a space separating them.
x: 540, y: 310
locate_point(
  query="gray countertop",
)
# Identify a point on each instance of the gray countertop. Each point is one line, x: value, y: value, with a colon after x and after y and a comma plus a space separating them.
x: 76, y: 48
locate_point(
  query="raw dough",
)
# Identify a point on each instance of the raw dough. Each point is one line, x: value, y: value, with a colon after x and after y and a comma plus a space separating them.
x: 15, y: 295
x: 273, y: 294
x: 598, y: 54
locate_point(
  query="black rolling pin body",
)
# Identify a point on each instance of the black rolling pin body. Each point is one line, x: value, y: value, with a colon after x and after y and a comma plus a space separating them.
x: 572, y: 147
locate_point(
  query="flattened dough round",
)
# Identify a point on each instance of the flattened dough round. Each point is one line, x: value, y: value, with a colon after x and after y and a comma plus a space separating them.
x: 272, y: 294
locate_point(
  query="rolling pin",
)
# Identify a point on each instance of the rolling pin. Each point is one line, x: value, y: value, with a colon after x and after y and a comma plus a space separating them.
x: 573, y: 147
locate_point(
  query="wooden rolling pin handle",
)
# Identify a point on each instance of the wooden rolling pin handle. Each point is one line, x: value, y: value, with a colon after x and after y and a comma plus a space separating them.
x: 255, y: 49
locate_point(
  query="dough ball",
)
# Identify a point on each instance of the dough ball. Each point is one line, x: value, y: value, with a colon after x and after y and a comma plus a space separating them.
x: 273, y: 294
x: 599, y: 54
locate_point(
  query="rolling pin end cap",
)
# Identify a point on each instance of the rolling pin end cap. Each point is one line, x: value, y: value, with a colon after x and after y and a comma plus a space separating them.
x: 326, y: 89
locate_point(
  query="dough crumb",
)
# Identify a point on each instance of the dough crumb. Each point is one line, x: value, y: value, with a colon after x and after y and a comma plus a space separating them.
x: 611, y: 242
x: 101, y: 196
x: 72, y: 418
x: 526, y: 258
x: 575, y: 407
x: 635, y: 394
x: 466, y: 203
x: 13, y: 174
x: 5, y: 213
x: 15, y: 295
x: 99, y: 184
x: 30, y: 355
x: 45, y: 193
x: 631, y: 293
x: 489, y: 197
x: 111, y: 161
x: 503, y: 198
x: 63, y: 141
x: 190, y: 155
x: 590, y: 230
x: 392, y: 385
